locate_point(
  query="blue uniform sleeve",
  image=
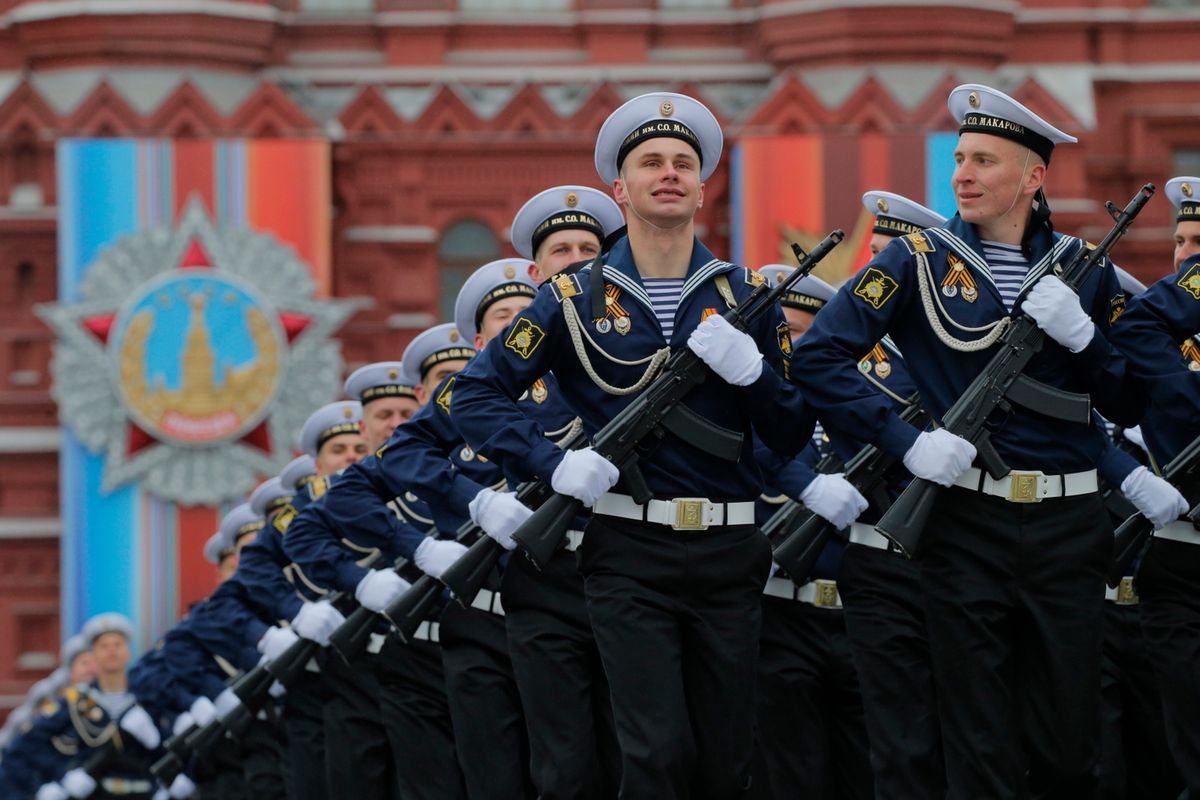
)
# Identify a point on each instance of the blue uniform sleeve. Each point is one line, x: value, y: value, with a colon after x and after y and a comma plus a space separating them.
x: 313, y: 546
x: 415, y: 458
x: 1115, y: 392
x: 226, y: 625
x: 1149, y: 332
x: 776, y: 407
x: 1114, y: 464
x: 825, y: 362
x: 262, y: 574
x: 789, y: 476
x: 484, y: 403
x: 34, y: 752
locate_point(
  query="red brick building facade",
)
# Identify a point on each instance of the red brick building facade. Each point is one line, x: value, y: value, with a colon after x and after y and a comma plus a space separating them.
x: 445, y: 115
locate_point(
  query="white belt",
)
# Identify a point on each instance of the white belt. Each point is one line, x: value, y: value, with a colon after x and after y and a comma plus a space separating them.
x: 1180, y: 531
x: 1122, y: 594
x: 487, y: 600
x: 1029, y: 486
x: 376, y: 643
x: 819, y: 593
x: 574, y: 539
x: 864, y: 534
x: 428, y: 632
x: 126, y: 786
x: 682, y: 513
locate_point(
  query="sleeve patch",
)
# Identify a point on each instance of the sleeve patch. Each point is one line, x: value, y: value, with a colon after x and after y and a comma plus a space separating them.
x: 443, y: 398
x: 917, y: 243
x: 564, y: 286
x: 1190, y: 281
x: 524, y: 338
x: 876, y: 287
x: 1116, y: 307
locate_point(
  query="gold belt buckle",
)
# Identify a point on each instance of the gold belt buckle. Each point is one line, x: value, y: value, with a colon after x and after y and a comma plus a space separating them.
x: 1023, y: 487
x: 689, y: 513
x: 826, y: 595
x: 1126, y: 596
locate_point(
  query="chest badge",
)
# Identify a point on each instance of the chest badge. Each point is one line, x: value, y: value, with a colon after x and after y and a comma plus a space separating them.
x: 466, y: 454
x: 615, y: 315
x: 959, y: 280
x: 1192, y: 353
x: 539, y: 392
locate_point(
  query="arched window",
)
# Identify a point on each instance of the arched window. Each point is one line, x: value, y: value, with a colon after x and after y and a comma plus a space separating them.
x: 465, y: 247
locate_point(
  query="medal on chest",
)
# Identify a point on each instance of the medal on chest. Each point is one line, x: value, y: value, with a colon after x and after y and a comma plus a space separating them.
x: 876, y: 361
x: 615, y: 315
x: 539, y: 392
x: 959, y: 280
x: 1191, y: 352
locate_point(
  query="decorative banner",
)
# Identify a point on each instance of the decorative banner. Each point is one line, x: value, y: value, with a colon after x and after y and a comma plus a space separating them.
x: 799, y: 187
x: 191, y: 347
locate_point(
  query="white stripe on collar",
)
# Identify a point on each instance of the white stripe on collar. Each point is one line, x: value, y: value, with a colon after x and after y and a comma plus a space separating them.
x: 964, y: 251
x: 1048, y: 261
x: 623, y: 281
x: 701, y: 275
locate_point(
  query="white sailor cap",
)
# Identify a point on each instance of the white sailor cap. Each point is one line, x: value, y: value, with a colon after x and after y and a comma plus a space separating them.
x: 810, y: 293
x: 329, y: 421
x: 655, y: 115
x: 439, y: 343
x: 269, y: 496
x: 1184, y: 194
x: 72, y: 648
x: 497, y: 280
x: 381, y: 379
x: 110, y: 622
x: 564, y: 208
x: 240, y: 520
x: 216, y: 548
x: 299, y: 472
x: 1129, y: 284
x: 982, y: 109
x: 45, y: 689
x: 896, y: 215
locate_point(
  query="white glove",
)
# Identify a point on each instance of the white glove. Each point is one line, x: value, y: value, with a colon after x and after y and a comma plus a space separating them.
x: 499, y: 514
x: 434, y: 556
x: 1158, y: 500
x: 203, y: 711
x: 834, y: 499
x: 78, y: 783
x: 277, y: 690
x: 225, y: 703
x: 138, y: 724
x: 316, y: 621
x: 182, y: 723
x: 275, y: 641
x: 939, y: 456
x: 182, y: 787
x: 379, y: 588
x: 1056, y: 310
x: 52, y: 791
x: 160, y: 794
x: 1134, y: 435
x: 585, y: 475
x: 727, y: 351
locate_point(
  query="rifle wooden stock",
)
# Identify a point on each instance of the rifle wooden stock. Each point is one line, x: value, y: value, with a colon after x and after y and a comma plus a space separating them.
x: 541, y: 535
x: 908, y: 516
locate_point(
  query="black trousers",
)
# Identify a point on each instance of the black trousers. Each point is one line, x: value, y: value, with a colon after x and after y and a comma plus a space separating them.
x: 304, y: 730
x: 413, y: 705
x: 262, y: 755
x: 885, y: 620
x: 489, y: 728
x: 564, y: 693
x: 1014, y: 600
x: 359, y: 760
x: 676, y: 616
x: 1134, y: 759
x: 810, y: 713
x: 220, y: 777
x: 1169, y: 587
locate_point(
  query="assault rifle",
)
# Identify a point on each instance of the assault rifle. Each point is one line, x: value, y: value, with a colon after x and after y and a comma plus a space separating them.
x: 657, y: 409
x: 797, y: 547
x: 1002, y: 384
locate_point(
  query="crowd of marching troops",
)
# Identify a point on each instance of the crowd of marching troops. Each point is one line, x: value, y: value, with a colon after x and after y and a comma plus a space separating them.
x: 662, y: 649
